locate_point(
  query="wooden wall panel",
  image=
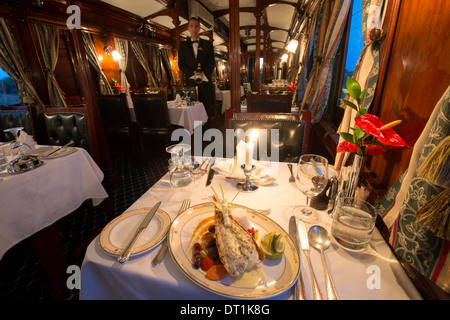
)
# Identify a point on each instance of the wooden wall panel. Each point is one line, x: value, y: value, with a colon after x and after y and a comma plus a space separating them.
x: 417, y: 75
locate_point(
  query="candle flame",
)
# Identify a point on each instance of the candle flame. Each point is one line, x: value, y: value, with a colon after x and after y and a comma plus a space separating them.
x: 254, y: 135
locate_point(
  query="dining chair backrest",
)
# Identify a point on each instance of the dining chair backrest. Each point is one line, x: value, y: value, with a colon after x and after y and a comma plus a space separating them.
x: 68, y: 124
x: 289, y: 137
x: 17, y: 116
x: 269, y: 103
x: 152, y: 112
x: 183, y: 90
x: 114, y: 110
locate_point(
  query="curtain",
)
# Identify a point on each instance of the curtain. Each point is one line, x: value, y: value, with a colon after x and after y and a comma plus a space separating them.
x: 166, y: 59
x: 331, y: 24
x: 122, y: 46
x: 157, y: 65
x: 12, y: 64
x: 48, y: 38
x: 138, y: 50
x: 367, y: 67
x: 92, y: 57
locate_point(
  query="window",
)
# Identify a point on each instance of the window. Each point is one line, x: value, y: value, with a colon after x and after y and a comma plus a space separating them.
x: 355, y: 44
x: 8, y: 91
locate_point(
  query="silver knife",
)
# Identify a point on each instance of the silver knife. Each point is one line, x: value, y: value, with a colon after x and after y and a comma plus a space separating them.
x: 299, y: 288
x: 127, y: 252
x: 211, y: 173
x: 304, y: 242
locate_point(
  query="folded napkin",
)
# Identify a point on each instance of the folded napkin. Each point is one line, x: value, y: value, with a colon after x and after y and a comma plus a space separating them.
x: 232, y: 168
x: 204, y: 78
x: 177, y: 101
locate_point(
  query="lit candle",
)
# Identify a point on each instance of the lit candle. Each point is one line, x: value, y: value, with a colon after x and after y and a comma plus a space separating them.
x: 248, y: 154
x: 249, y: 148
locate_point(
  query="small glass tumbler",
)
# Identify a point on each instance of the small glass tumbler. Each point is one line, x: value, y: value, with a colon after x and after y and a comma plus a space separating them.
x: 353, y: 223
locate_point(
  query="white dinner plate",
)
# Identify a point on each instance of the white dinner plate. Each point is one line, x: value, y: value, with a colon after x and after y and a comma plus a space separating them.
x: 60, y: 153
x: 279, y: 274
x: 116, y: 234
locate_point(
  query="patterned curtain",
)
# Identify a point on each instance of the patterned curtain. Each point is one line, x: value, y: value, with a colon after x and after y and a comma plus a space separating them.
x: 166, y: 59
x: 105, y: 87
x: 138, y: 50
x: 367, y: 67
x: 331, y: 24
x: 425, y: 249
x: 48, y: 38
x: 12, y: 64
x: 157, y: 66
x: 122, y: 46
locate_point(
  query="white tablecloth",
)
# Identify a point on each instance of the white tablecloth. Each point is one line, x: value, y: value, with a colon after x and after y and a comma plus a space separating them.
x: 185, y: 116
x: 104, y: 278
x: 35, y: 199
x: 225, y: 97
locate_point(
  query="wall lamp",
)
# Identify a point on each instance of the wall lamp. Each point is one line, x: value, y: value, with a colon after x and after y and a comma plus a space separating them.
x: 115, y: 54
x: 292, y: 46
x: 284, y: 57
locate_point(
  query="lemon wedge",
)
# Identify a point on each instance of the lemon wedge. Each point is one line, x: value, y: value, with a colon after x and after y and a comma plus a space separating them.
x: 273, y: 245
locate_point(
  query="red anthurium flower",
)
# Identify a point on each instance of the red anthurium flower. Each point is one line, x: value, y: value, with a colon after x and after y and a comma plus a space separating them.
x: 346, y: 146
x: 371, y: 124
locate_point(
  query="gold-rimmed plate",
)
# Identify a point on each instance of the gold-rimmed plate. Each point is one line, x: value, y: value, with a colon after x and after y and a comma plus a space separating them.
x: 279, y: 274
x: 117, y: 233
x: 60, y: 153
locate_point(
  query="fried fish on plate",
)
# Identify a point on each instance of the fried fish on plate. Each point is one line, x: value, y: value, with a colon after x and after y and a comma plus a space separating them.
x: 237, y: 249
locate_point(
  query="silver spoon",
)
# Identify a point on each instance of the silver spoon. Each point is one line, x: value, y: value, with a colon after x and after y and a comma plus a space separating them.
x: 319, y: 238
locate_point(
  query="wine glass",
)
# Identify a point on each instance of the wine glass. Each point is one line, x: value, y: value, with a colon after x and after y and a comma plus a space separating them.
x: 15, y: 131
x: 311, y: 179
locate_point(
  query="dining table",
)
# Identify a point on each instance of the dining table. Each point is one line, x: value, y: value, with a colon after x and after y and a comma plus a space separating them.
x: 374, y: 273
x: 187, y: 116
x: 33, y: 201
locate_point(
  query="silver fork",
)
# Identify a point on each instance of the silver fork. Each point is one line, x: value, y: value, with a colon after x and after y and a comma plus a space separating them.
x: 162, y: 251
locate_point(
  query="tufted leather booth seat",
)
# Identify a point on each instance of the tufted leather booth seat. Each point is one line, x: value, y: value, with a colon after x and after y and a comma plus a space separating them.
x: 16, y: 116
x: 269, y: 103
x: 291, y: 139
x: 64, y: 126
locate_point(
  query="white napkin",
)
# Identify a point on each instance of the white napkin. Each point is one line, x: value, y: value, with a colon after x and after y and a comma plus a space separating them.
x: 177, y: 101
x: 24, y: 137
x: 204, y: 78
x: 232, y: 168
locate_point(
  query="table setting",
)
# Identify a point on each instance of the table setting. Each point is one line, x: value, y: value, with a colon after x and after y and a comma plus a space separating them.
x: 32, y: 193
x: 184, y: 112
x: 294, y: 258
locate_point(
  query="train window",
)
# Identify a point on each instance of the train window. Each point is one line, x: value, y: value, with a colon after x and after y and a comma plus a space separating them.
x: 8, y: 90
x: 349, y: 49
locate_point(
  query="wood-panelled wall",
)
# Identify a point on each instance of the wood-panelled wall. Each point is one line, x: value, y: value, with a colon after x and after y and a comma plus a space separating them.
x: 414, y: 76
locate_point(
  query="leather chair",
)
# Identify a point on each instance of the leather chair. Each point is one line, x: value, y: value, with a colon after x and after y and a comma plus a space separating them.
x: 17, y: 116
x: 116, y: 118
x: 292, y: 137
x: 269, y: 103
x: 68, y: 124
x: 180, y: 90
x: 152, y: 117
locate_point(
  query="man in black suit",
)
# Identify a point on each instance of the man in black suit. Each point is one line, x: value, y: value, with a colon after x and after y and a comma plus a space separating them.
x: 192, y: 52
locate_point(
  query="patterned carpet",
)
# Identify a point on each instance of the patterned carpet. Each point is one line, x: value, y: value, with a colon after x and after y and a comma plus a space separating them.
x: 22, y: 277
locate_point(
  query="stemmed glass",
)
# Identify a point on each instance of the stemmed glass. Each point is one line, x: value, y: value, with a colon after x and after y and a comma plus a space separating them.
x: 188, y: 98
x: 15, y: 131
x: 311, y: 179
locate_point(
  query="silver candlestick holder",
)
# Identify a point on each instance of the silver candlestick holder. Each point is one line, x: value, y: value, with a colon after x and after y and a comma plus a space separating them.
x: 247, y: 185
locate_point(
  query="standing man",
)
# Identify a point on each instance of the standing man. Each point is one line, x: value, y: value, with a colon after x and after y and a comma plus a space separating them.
x: 192, y: 52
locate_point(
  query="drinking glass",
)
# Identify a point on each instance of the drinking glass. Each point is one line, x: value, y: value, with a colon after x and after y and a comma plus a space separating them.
x: 16, y: 144
x: 353, y: 223
x: 311, y: 179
